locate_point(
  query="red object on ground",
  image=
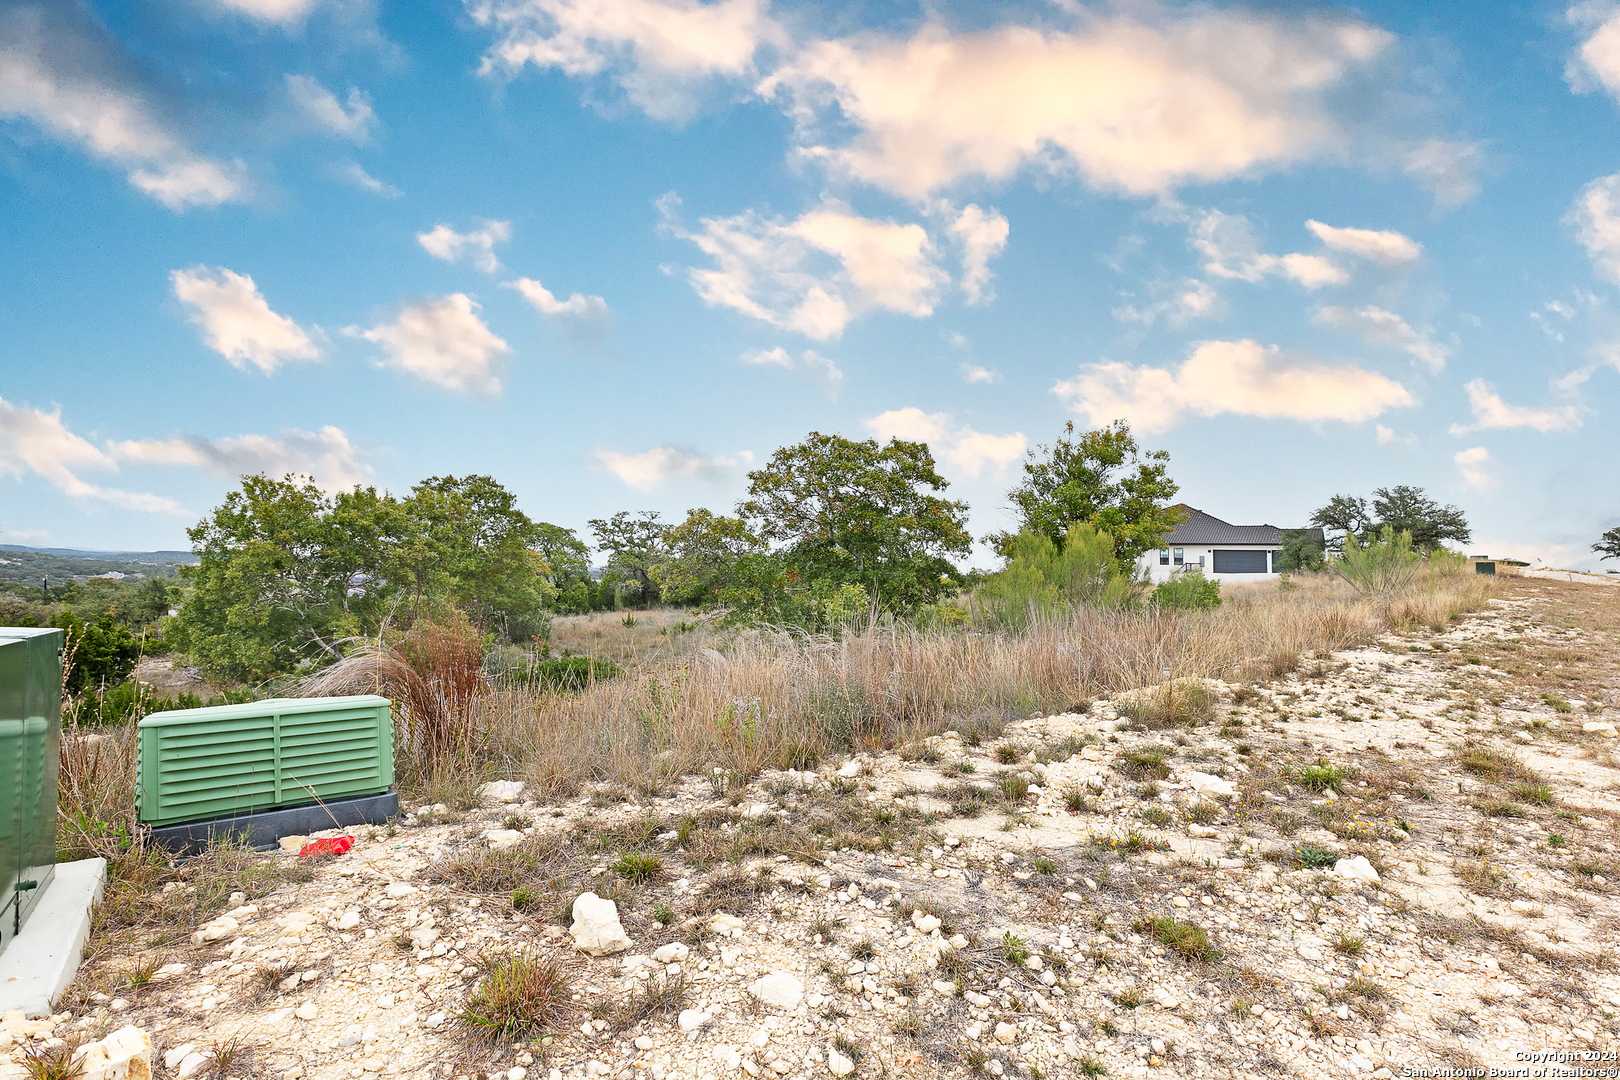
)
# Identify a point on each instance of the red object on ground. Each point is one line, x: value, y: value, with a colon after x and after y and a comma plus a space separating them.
x: 332, y: 845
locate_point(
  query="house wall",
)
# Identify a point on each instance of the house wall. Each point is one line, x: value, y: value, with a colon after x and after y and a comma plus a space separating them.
x: 1157, y: 572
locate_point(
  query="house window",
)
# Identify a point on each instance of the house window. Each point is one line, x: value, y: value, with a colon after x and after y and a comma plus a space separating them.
x: 1178, y: 556
x: 1200, y: 562
x: 1164, y: 557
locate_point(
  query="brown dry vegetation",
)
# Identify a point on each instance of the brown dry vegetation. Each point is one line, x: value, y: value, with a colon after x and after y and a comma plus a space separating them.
x: 752, y: 700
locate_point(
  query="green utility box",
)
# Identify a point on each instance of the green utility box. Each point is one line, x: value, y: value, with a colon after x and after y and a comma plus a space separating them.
x: 30, y: 725
x: 266, y: 768
x: 1485, y: 567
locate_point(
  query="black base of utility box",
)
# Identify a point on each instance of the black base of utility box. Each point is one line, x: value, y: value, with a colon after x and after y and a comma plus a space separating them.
x: 262, y: 830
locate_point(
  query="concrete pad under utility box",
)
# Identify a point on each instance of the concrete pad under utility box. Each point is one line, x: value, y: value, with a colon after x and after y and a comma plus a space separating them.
x: 40, y: 962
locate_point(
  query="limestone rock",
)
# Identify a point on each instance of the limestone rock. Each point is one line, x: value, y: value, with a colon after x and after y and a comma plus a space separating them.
x: 837, y: 1063
x: 1207, y: 785
x: 673, y: 953
x: 692, y: 1019
x: 502, y: 791
x: 126, y: 1054
x: 596, y: 928
x: 1358, y: 869
x: 778, y: 988
x: 724, y: 924
x: 222, y: 927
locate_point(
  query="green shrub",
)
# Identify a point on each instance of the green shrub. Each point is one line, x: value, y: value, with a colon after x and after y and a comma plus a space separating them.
x: 1385, y: 563
x: 1187, y: 590
x: 1299, y: 550
x: 1042, y: 578
x: 573, y: 673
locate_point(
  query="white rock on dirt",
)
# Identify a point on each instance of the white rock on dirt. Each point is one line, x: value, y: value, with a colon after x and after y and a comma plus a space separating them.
x: 502, y: 791
x: 126, y: 1054
x: 1207, y: 785
x: 502, y: 838
x: 596, y: 928
x: 837, y: 1063
x: 692, y: 1019
x: 222, y: 927
x: 1357, y: 868
x: 1595, y: 727
x: 724, y: 924
x: 673, y: 953
x: 778, y: 988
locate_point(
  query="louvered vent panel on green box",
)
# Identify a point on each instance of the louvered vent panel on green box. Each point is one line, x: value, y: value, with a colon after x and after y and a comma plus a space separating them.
x: 201, y: 764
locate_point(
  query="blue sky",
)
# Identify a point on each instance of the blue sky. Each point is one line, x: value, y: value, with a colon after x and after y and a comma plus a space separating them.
x: 616, y: 252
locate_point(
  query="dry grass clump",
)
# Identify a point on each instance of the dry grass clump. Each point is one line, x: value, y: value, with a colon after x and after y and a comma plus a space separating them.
x: 524, y: 994
x: 780, y: 700
x: 434, y: 675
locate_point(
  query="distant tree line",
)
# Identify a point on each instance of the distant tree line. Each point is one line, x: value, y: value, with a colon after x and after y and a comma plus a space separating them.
x: 831, y: 529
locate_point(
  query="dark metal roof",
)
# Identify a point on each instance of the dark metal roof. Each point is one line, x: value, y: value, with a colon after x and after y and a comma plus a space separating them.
x: 1202, y: 528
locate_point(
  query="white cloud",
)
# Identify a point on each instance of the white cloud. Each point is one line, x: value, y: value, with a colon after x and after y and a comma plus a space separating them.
x: 443, y: 342
x: 36, y: 442
x: 958, y: 445
x: 352, y: 173
x: 1379, y: 327
x: 1491, y: 412
x: 650, y: 470
x: 1192, y: 299
x: 236, y: 321
x: 285, y: 12
x: 657, y: 50
x: 1231, y: 251
x: 821, y: 371
x: 1131, y: 104
x: 577, y: 306
x: 1239, y: 377
x: 1474, y: 464
x: 68, y: 81
x: 1446, y: 169
x: 23, y: 536
x: 327, y: 455
x: 318, y: 104
x: 815, y: 274
x: 1596, y: 215
x: 982, y: 234
x: 1313, y: 271
x: 1596, y: 63
x: 974, y: 373
x: 443, y: 242
x: 1380, y: 246
x: 584, y: 318
x: 1386, y: 435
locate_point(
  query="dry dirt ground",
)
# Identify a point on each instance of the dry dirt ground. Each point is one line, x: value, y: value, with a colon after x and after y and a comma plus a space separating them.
x: 1159, y: 885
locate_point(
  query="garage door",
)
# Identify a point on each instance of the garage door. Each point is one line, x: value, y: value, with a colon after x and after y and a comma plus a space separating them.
x: 1240, y: 562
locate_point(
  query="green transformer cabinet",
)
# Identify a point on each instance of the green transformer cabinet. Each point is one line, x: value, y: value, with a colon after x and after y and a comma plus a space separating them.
x: 30, y: 725
x: 265, y: 769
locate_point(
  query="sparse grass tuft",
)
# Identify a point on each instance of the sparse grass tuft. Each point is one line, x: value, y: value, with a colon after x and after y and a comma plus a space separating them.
x: 524, y: 995
x: 1189, y: 940
x: 1323, y: 775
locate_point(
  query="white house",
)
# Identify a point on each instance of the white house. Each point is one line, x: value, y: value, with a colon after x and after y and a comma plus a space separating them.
x: 1224, y: 552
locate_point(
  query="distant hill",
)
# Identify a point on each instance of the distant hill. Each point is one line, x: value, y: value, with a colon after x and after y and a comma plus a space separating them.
x: 28, y: 565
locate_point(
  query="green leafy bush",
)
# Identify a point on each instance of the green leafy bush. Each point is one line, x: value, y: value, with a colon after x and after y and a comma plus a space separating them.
x: 1187, y: 590
x: 101, y: 653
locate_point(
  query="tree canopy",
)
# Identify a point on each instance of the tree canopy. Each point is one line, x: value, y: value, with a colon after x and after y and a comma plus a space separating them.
x: 1099, y: 478
x: 1403, y: 508
x: 857, y: 513
x: 286, y: 571
x: 1608, y: 545
x: 634, y: 545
